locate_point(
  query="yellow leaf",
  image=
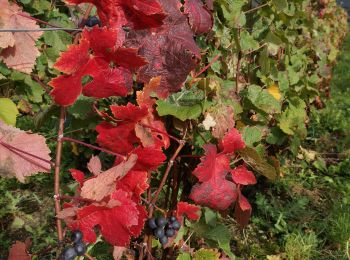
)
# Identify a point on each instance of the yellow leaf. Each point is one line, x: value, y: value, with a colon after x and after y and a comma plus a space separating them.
x: 275, y: 92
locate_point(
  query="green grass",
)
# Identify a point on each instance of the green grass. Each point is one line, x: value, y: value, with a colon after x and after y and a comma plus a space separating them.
x: 306, y: 214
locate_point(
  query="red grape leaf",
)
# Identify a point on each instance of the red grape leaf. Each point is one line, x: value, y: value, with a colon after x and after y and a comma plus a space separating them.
x: 139, y: 14
x: 241, y: 175
x: 232, y: 141
x: 94, y: 165
x: 119, y: 139
x: 14, y: 144
x: 214, y: 191
x: 103, y: 185
x: 116, y: 223
x: 18, y: 48
x: 75, y: 57
x: 200, y: 18
x: 78, y: 176
x: 129, y: 112
x: 192, y: 212
x: 169, y: 50
x: 134, y: 182
x: 148, y: 159
x: 18, y: 251
x: 93, y: 56
x: 106, y: 81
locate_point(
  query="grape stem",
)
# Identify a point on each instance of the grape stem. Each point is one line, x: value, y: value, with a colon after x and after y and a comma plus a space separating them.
x: 161, y: 185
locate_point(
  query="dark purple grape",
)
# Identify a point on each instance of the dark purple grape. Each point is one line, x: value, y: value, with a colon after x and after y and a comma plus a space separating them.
x: 68, y: 253
x: 80, y: 248
x: 161, y: 222
x: 176, y: 225
x: 163, y: 240
x: 77, y: 236
x: 170, y: 232
x: 92, y: 21
x: 159, y: 232
x: 152, y: 223
x: 172, y: 219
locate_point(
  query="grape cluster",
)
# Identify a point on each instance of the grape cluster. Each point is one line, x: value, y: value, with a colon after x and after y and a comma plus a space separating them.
x: 164, y: 228
x: 78, y: 249
x: 92, y: 21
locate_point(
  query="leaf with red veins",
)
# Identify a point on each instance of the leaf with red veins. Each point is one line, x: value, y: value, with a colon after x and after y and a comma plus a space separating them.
x: 78, y: 176
x: 200, y: 18
x: 116, y: 224
x: 66, y: 89
x: 74, y: 58
x: 232, y: 141
x: 214, y: 190
x: 15, y: 147
x: 149, y: 159
x: 192, y: 212
x: 134, y: 182
x: 129, y: 113
x: 241, y: 175
x: 106, y: 81
x: 168, y: 49
x: 102, y: 185
x: 140, y: 14
x: 119, y: 139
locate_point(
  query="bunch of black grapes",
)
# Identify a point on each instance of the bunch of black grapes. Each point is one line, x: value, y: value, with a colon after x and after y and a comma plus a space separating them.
x: 78, y: 248
x: 163, y: 228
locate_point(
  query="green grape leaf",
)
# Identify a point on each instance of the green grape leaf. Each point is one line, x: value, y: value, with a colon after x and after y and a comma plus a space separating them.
x: 263, y: 100
x: 184, y: 256
x: 251, y: 135
x: 247, y: 42
x: 292, y: 120
x: 252, y: 158
x: 207, y: 254
x: 280, y: 4
x: 8, y: 111
x: 187, y: 104
x: 215, y: 236
x: 82, y: 108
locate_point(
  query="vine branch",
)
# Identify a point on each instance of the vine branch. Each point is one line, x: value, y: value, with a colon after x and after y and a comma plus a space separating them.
x: 57, y: 172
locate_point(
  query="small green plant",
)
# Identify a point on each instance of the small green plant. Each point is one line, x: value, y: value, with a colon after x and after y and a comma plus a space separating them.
x: 301, y: 246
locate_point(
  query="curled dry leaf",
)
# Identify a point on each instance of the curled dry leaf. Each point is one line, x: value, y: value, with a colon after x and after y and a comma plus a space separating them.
x: 22, y: 154
x: 18, y: 48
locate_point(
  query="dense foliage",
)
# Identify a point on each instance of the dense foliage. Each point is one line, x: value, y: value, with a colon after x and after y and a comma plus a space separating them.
x: 143, y: 133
